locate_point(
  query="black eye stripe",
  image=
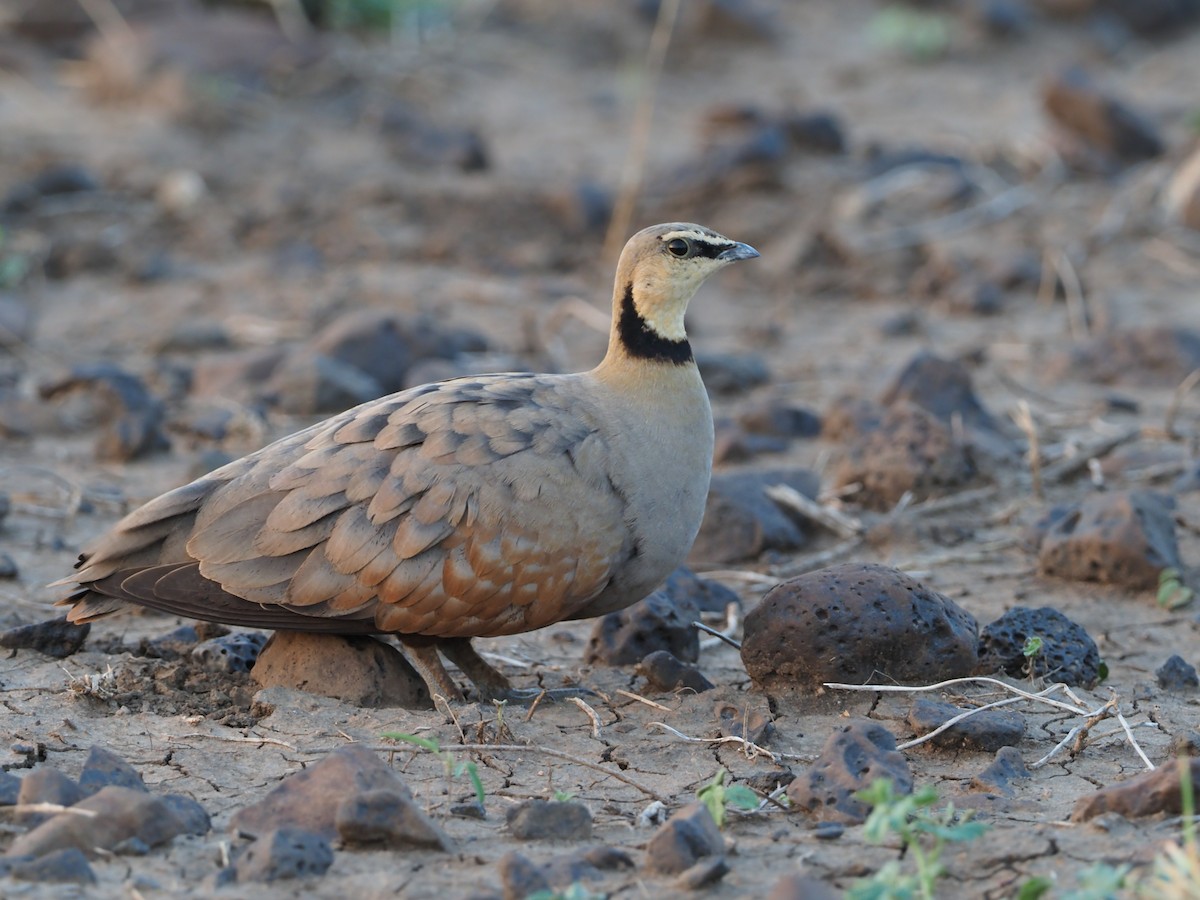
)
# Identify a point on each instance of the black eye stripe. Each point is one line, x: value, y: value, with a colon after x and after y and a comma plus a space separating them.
x: 705, y: 248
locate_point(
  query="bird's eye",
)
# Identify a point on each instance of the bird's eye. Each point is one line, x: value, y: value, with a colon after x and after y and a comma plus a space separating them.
x: 678, y: 247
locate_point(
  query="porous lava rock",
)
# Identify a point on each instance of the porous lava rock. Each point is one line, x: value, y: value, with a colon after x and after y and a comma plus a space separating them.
x: 854, y: 756
x: 1177, y: 675
x: 854, y: 622
x: 1068, y: 654
x: 284, y: 853
x: 910, y: 451
x: 1145, y: 795
x: 1117, y: 537
x: 989, y: 730
x: 664, y: 672
x: 359, y: 669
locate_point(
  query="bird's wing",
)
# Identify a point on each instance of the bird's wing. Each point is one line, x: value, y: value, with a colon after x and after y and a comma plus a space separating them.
x: 473, y: 507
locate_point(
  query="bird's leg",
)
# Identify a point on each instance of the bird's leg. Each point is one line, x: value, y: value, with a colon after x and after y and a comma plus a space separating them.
x: 423, y: 655
x: 491, y: 684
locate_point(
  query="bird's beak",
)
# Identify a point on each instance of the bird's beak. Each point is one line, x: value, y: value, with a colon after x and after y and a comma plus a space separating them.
x: 738, y: 251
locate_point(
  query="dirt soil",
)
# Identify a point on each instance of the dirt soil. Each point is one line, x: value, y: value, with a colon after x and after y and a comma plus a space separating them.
x: 312, y: 205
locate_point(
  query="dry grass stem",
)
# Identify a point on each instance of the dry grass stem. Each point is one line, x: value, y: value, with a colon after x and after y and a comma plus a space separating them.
x: 591, y: 714
x: 640, y: 699
x: 832, y: 519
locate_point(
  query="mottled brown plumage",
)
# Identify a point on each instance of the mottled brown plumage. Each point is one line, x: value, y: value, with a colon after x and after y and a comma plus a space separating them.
x: 475, y: 507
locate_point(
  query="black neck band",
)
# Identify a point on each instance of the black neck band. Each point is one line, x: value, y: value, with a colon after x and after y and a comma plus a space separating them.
x: 644, y: 342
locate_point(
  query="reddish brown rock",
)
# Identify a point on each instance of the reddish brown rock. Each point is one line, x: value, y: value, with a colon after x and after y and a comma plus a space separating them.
x: 310, y: 799
x: 120, y: 814
x: 910, y: 451
x: 1146, y: 795
x: 359, y: 669
x: 688, y: 837
x: 1118, y: 537
x: 852, y: 623
x: 853, y: 757
x: 388, y: 817
x: 1103, y: 123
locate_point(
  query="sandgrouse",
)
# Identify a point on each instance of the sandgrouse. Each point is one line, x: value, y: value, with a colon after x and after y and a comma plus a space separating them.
x: 475, y: 507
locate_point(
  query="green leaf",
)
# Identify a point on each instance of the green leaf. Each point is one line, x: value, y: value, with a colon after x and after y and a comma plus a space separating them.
x: 476, y: 782
x: 741, y: 796
x: 1033, y: 646
x: 963, y: 831
x: 426, y: 743
x: 1102, y: 671
x: 1034, y: 888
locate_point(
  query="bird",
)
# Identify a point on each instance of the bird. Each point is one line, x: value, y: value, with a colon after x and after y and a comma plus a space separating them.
x: 480, y: 506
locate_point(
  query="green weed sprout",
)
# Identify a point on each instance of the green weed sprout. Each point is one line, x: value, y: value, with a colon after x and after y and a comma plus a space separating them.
x: 454, y: 768
x: 717, y: 797
x: 923, y: 832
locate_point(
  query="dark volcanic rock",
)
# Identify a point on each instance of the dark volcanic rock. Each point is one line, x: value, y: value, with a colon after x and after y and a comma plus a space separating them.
x: 732, y: 373
x: 47, y: 785
x: 521, y: 877
x: 308, y: 383
x: 284, y: 852
x: 689, y: 836
x: 66, y: 866
x: 1068, y: 654
x: 389, y: 817
x: 1117, y: 537
x: 853, y: 757
x: 753, y: 725
x: 1103, y: 123
x: 989, y: 730
x: 10, y: 788
x: 997, y: 778
x: 741, y: 522
x: 57, y: 638
x: 103, y: 767
x: 121, y: 815
x: 778, y: 418
x: 1148, y: 355
x: 663, y: 672
x: 310, y: 799
x: 854, y: 622
x: 707, y: 596
x: 135, y: 416
x: 376, y: 342
x: 660, y: 622
x: 230, y: 652
x: 359, y: 669
x: 1145, y: 795
x: 541, y: 820
x: 1176, y: 674
x: 910, y: 451
x: 944, y: 388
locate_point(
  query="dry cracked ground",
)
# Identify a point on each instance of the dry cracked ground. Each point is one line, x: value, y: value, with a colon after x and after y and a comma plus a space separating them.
x: 966, y: 349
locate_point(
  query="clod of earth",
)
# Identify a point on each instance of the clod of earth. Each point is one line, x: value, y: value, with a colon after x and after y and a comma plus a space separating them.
x: 989, y: 730
x: 283, y: 853
x: 854, y: 756
x: 1067, y: 654
x: 359, y: 669
x: 310, y: 799
x: 541, y: 820
x: 852, y: 622
x: 753, y: 725
x: 665, y: 672
x: 910, y: 451
x: 1001, y: 772
x: 1117, y: 537
x: 1145, y: 795
x: 688, y: 837
x: 741, y: 522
